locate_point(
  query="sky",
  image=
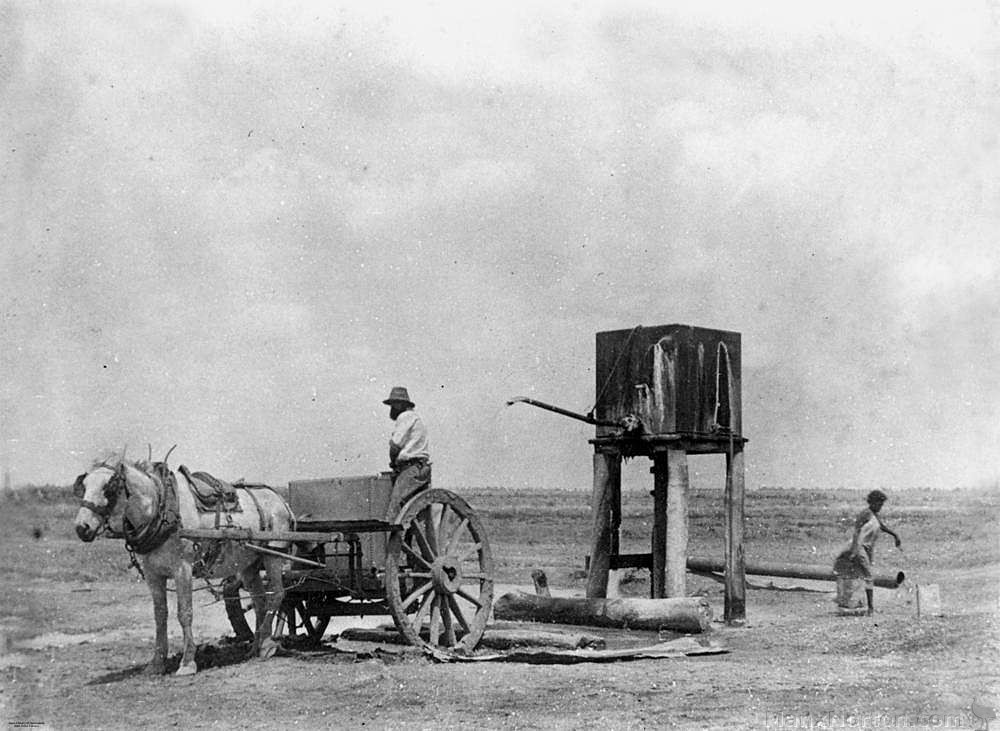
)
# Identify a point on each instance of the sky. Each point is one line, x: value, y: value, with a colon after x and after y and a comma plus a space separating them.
x: 236, y: 228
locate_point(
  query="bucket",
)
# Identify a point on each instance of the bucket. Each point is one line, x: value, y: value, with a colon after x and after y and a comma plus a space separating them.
x: 851, y: 597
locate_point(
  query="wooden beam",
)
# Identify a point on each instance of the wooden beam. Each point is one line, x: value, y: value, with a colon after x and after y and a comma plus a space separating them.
x: 658, y: 543
x: 735, y: 608
x: 675, y: 566
x: 631, y: 561
x: 606, y: 502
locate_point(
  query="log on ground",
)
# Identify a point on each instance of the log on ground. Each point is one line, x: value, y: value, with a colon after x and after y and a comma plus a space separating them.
x: 506, y: 639
x: 680, y: 614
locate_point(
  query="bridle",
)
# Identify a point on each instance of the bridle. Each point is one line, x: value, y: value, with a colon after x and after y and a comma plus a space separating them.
x: 111, y: 490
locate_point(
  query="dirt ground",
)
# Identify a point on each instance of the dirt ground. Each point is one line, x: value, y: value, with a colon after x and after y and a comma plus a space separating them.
x: 76, y: 627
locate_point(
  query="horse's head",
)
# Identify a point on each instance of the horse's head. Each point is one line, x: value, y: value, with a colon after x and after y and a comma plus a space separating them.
x: 110, y: 495
x: 99, y: 491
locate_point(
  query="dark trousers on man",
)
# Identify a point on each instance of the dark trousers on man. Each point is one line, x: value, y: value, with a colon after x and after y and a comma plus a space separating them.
x: 410, y: 478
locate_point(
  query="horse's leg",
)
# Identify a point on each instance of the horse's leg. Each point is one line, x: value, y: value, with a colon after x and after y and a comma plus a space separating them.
x: 185, y: 615
x: 275, y: 596
x: 234, y: 609
x: 253, y: 584
x: 158, y: 590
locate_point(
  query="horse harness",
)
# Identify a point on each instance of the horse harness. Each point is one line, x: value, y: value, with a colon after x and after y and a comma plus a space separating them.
x: 142, y: 534
x: 143, y: 537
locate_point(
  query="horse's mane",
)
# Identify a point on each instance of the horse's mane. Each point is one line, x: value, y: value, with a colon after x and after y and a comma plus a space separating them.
x: 114, y: 461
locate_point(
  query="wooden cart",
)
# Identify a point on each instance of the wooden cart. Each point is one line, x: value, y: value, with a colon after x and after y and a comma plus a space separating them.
x: 430, y: 568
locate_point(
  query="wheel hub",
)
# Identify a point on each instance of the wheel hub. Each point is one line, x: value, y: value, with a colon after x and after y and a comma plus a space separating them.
x: 446, y: 573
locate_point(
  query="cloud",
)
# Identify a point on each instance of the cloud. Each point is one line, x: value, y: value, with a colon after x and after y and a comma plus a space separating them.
x: 235, y: 227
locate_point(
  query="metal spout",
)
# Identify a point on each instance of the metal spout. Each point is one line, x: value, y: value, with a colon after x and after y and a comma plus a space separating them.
x: 565, y: 412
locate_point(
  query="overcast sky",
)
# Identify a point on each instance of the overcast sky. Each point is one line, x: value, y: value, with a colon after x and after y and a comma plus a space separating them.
x: 236, y: 229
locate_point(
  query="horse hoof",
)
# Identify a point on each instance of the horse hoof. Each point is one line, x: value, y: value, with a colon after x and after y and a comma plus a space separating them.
x: 187, y: 669
x: 268, y: 648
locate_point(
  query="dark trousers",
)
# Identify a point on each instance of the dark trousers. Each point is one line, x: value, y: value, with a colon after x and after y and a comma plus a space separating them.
x: 413, y: 478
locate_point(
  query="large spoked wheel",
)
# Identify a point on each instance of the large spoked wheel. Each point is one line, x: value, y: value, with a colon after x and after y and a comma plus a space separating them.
x: 439, y: 573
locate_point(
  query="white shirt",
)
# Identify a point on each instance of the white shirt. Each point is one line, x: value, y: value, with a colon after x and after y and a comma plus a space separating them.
x: 410, y: 436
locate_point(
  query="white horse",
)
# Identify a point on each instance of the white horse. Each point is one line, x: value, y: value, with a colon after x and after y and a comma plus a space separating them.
x: 146, y: 504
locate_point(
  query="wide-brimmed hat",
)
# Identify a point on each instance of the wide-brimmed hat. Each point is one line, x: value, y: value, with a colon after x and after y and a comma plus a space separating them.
x: 398, y: 395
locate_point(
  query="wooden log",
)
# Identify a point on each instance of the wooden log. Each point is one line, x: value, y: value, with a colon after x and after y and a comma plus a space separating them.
x: 505, y: 639
x: 680, y: 614
x: 735, y: 606
x: 843, y: 566
x: 606, y: 502
x: 493, y: 638
x: 675, y: 568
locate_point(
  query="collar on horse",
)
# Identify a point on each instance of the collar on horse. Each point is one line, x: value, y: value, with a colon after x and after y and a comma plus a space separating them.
x: 144, y: 532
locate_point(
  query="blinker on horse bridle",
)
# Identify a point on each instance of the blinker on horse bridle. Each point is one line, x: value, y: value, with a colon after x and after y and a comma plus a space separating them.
x: 112, y: 488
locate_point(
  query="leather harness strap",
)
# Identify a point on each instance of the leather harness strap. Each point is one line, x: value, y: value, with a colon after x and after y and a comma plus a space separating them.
x: 256, y: 504
x: 166, y: 518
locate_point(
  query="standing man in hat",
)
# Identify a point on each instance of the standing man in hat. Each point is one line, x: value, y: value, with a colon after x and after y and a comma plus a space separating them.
x: 867, y: 527
x: 409, y: 457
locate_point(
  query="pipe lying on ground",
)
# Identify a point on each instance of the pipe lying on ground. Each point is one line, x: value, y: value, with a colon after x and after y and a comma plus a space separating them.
x: 681, y: 614
x: 886, y: 580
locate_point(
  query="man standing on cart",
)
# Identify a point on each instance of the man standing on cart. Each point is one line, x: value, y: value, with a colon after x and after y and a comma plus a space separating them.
x: 409, y: 457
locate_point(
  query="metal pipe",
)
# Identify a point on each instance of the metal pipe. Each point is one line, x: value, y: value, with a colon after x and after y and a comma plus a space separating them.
x: 296, y: 559
x: 556, y: 409
x: 790, y: 570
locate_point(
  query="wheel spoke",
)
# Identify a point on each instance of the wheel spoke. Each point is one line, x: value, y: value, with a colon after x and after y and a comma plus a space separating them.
x: 416, y: 594
x: 449, y: 628
x: 456, y: 536
x: 468, y: 597
x: 469, y: 550
x: 416, y: 574
x: 415, y: 556
x: 421, y: 614
x: 432, y: 529
x: 435, y: 628
x: 425, y: 545
x: 317, y: 630
x: 457, y: 611
x: 293, y: 625
x: 441, y: 521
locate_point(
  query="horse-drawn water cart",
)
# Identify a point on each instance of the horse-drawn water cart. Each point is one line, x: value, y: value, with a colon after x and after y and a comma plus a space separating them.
x: 430, y: 567
x: 335, y: 547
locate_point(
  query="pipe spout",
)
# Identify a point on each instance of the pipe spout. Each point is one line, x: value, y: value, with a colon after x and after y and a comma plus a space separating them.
x: 565, y: 412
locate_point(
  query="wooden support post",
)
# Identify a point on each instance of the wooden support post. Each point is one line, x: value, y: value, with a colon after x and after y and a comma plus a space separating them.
x: 607, y: 511
x: 658, y: 547
x: 735, y: 597
x: 677, y: 523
